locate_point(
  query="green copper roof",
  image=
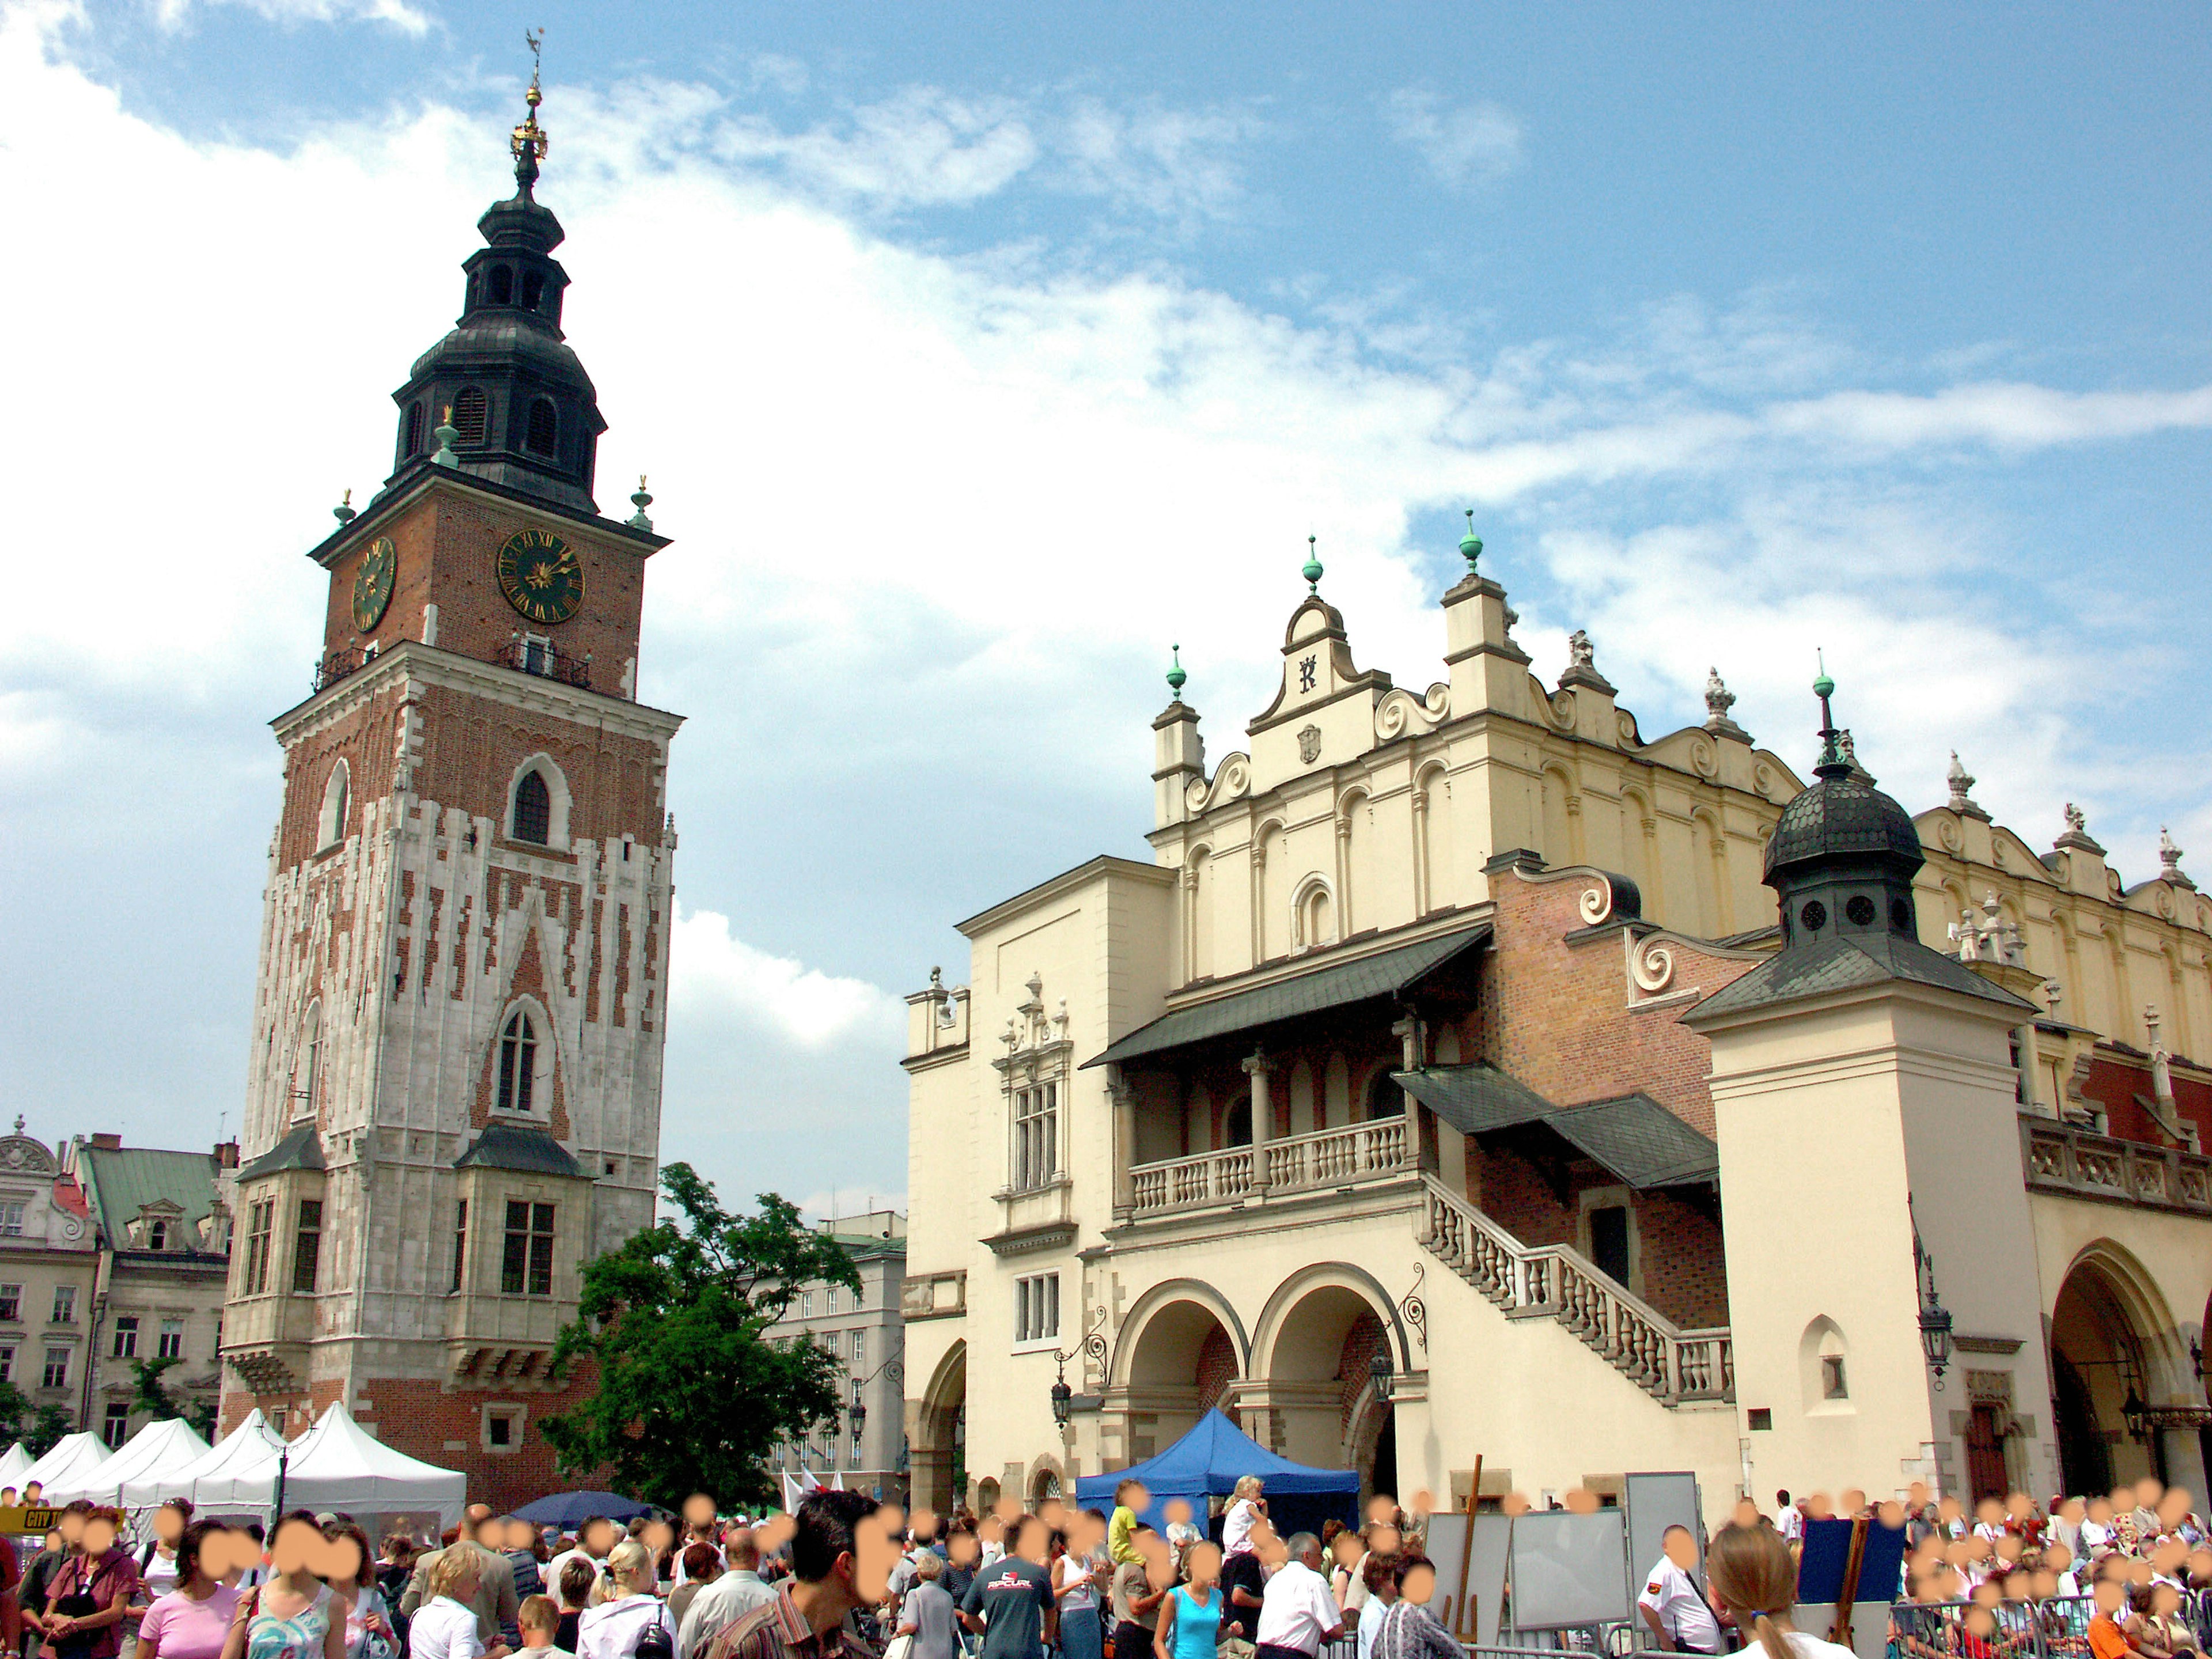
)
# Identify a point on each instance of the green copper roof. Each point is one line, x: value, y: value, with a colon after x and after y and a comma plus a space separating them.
x: 119, y: 1182
x: 1385, y: 974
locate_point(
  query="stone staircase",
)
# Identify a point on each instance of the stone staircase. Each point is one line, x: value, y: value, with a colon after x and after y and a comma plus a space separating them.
x: 1674, y: 1366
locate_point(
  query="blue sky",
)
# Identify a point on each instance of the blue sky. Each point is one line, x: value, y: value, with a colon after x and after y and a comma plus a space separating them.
x: 977, y: 353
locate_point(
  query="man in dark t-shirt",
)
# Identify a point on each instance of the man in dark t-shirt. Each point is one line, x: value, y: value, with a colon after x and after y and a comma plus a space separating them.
x: 1009, y: 1600
x: 1243, y: 1580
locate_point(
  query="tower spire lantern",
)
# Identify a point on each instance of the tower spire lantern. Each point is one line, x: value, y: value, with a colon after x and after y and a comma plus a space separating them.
x: 530, y: 142
x: 1833, y: 762
x: 1312, y: 572
x: 1176, y: 676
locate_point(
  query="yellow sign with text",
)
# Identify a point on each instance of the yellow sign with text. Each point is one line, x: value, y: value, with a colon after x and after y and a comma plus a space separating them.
x: 20, y: 1523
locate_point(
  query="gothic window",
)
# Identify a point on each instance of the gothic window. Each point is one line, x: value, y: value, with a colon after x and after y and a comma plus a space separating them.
x: 471, y: 413
x: 412, y: 444
x: 533, y: 809
x: 1036, y: 1135
x: 260, y: 1222
x: 502, y: 285
x: 544, y: 429
x: 533, y: 289
x: 461, y: 1242
x: 518, y: 1061
x: 526, y: 1266
x: 311, y: 1063
x: 307, y: 1244
x: 331, y: 828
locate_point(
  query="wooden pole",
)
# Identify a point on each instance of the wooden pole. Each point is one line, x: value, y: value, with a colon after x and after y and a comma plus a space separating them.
x: 1465, y: 1629
x: 1840, y: 1632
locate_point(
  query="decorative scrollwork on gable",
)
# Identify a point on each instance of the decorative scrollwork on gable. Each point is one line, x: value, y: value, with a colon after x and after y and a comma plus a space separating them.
x: 1401, y: 712
x: 1231, y: 781
x: 1596, y: 903
x: 1651, y: 965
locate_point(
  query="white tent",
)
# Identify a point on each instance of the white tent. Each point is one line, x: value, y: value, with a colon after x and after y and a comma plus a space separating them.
x: 13, y: 1462
x: 157, y: 1449
x: 335, y: 1465
x: 207, y: 1480
x: 74, y: 1457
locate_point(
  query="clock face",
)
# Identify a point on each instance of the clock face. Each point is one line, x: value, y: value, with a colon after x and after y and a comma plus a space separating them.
x: 372, y: 583
x: 539, y: 574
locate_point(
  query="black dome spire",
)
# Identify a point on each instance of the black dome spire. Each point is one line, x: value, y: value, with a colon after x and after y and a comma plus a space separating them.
x: 521, y: 409
x: 1843, y: 854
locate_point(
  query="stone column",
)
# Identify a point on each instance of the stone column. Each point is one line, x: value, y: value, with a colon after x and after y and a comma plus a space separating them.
x: 1124, y: 1143
x: 1408, y: 1032
x: 1263, y: 1116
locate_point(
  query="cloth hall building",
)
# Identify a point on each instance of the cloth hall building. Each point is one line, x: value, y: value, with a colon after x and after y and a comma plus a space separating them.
x: 454, y: 1098
x: 1467, y: 1076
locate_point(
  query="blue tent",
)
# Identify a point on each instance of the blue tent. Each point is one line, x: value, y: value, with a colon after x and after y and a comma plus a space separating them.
x: 1208, y: 1461
x: 570, y: 1510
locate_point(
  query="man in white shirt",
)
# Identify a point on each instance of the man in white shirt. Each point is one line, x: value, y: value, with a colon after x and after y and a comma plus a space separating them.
x: 593, y: 1539
x: 1672, y: 1606
x: 728, y: 1599
x: 1297, y: 1613
x: 1789, y: 1519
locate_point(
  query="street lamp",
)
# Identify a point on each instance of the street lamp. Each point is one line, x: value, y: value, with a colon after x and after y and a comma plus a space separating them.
x: 1063, y: 1397
x: 857, y: 1415
x: 2135, y: 1413
x: 1380, y: 1371
x: 1935, y: 1317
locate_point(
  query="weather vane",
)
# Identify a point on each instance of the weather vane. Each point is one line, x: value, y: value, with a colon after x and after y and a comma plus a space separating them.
x: 531, y: 142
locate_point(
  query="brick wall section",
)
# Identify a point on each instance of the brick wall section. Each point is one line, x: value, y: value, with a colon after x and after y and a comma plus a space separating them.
x: 448, y: 545
x: 1217, y: 1370
x: 2115, y: 1080
x: 1555, y: 1016
x: 1355, y: 1365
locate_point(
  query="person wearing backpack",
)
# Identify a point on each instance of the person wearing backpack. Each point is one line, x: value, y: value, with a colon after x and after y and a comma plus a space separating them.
x: 631, y: 1622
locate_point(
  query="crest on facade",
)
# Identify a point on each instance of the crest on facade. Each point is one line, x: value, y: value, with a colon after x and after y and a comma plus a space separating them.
x: 1309, y: 743
x: 21, y: 1155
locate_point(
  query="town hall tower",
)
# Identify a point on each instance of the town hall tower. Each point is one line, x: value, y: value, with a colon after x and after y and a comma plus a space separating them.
x: 453, y: 1098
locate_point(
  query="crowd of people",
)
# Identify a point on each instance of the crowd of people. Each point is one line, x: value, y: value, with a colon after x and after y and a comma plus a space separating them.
x: 2124, y: 1577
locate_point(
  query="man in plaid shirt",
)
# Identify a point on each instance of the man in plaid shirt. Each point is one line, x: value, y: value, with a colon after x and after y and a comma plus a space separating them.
x: 808, y: 1618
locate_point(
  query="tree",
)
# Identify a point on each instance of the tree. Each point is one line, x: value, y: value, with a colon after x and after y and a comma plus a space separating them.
x: 47, y: 1429
x: 149, y: 1395
x: 689, y: 1394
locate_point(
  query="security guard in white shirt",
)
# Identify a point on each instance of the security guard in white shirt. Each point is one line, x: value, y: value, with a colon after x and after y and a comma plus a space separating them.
x: 1673, y: 1606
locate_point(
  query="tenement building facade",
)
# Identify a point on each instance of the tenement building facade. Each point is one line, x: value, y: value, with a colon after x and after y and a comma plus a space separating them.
x: 454, y: 1096
x: 1467, y: 1077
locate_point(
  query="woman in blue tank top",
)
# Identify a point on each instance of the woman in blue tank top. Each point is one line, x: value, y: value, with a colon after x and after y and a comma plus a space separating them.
x: 1191, y: 1617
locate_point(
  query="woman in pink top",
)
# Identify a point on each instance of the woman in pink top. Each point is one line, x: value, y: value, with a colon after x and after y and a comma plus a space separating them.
x: 192, y: 1620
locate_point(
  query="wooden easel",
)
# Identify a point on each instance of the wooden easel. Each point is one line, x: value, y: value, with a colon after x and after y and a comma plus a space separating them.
x: 1463, y: 1627
x: 1839, y: 1632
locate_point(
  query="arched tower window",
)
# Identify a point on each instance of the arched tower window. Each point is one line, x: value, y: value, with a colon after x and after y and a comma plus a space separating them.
x: 545, y: 428
x: 502, y: 285
x: 518, y: 1059
x: 471, y: 413
x: 330, y: 822
x: 306, y: 1079
x: 533, y: 288
x: 533, y: 809
x: 410, y: 441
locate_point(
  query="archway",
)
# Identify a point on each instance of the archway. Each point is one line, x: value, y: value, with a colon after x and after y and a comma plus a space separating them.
x: 1180, y: 1360
x: 936, y: 1436
x: 1319, y: 1339
x: 2103, y: 1360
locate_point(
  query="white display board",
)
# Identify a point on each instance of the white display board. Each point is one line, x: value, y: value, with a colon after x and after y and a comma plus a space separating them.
x: 1445, y: 1544
x: 1570, y: 1570
x: 1654, y: 1503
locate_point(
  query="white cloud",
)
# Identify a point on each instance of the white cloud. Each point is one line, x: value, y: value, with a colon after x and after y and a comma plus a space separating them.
x: 923, y: 148
x: 713, y: 972
x: 398, y: 13
x: 1167, y: 164
x: 1463, y: 143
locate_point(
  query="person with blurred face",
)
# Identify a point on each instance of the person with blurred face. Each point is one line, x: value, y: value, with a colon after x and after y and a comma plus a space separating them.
x: 1753, y: 1578
x: 925, y: 1616
x: 736, y: 1592
x: 806, y: 1620
x: 1297, y: 1614
x: 614, y: 1629
x: 1010, y: 1604
x: 1671, y: 1605
x: 192, y: 1620
x: 86, y: 1600
x: 291, y: 1615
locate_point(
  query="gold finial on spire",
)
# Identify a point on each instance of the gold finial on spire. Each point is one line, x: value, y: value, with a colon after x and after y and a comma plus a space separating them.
x: 530, y: 142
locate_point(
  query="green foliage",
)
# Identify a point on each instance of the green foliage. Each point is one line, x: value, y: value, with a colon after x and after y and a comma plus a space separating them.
x: 689, y: 1394
x: 47, y: 1429
x: 149, y: 1395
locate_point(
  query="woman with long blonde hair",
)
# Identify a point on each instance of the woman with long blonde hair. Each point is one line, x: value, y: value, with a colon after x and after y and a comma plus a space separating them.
x: 1752, y: 1574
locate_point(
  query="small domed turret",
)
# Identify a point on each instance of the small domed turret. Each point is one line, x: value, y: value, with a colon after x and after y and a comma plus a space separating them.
x: 1843, y: 854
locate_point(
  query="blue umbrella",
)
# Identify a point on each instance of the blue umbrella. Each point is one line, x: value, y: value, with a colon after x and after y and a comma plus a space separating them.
x: 572, y: 1508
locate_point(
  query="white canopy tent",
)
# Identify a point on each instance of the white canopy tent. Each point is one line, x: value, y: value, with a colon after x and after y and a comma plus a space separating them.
x: 13, y: 1462
x: 336, y: 1466
x: 74, y: 1457
x: 206, y: 1480
x: 157, y: 1451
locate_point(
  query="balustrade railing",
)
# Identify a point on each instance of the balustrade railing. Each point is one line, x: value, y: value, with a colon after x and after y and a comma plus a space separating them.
x: 1333, y: 1158
x: 2061, y: 1158
x: 1642, y: 1343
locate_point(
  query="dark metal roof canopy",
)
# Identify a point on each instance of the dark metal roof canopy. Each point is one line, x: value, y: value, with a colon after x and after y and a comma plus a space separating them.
x: 510, y: 1146
x: 302, y: 1149
x: 1386, y: 976
x: 1632, y: 1135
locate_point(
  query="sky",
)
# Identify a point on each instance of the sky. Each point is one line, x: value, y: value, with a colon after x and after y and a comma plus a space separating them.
x: 980, y: 354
